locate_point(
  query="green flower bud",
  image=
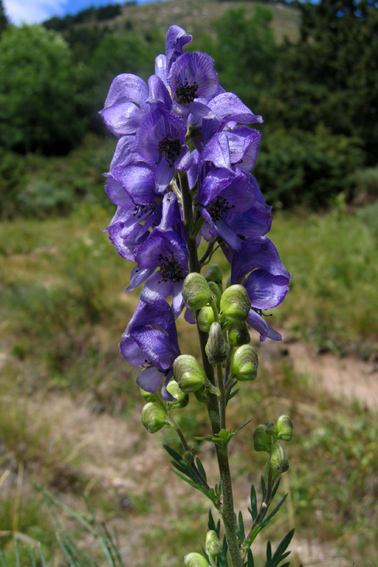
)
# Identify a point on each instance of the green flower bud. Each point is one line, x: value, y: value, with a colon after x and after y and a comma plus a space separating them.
x: 181, y: 397
x: 188, y: 373
x: 205, y: 318
x: 261, y: 439
x: 195, y: 560
x: 235, y: 304
x: 245, y: 363
x: 238, y: 335
x: 216, y: 347
x: 201, y: 395
x: 153, y: 417
x: 213, y: 546
x: 214, y: 274
x: 271, y: 429
x: 196, y: 291
x: 216, y: 293
x: 188, y: 457
x: 147, y: 396
x: 284, y: 428
x: 278, y: 459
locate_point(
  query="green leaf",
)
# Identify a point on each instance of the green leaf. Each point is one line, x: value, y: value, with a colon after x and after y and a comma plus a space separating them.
x: 275, y: 488
x: 229, y: 393
x: 263, y: 488
x: 201, y: 469
x: 241, y: 526
x: 280, y: 551
x: 270, y: 517
x: 250, y: 562
x: 268, y: 553
x: 253, y: 503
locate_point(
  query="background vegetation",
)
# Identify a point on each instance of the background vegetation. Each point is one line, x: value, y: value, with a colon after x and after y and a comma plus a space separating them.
x: 69, y: 408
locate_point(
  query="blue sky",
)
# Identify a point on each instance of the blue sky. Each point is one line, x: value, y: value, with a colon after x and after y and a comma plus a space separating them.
x: 36, y: 11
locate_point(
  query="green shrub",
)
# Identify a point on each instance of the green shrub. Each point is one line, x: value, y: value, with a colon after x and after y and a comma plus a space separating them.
x: 42, y: 198
x: 365, y: 185
x: 304, y: 168
x: 39, y: 107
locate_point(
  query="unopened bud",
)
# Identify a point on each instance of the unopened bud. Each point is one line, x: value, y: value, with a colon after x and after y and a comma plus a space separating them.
x: 188, y: 457
x: 195, y: 560
x: 216, y: 293
x: 213, y: 546
x: 147, y: 396
x: 271, y: 429
x: 279, y: 460
x: 205, y: 318
x: 235, y: 304
x: 188, y: 373
x: 238, y: 335
x: 284, y: 428
x: 261, y: 439
x: 182, y: 399
x: 245, y: 363
x: 214, y: 274
x: 196, y: 291
x: 153, y: 417
x: 216, y: 347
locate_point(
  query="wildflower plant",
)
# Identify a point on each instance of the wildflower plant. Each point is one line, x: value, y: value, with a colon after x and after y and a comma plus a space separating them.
x: 181, y: 174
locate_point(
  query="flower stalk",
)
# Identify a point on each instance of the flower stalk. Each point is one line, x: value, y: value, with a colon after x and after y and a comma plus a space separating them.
x: 180, y: 175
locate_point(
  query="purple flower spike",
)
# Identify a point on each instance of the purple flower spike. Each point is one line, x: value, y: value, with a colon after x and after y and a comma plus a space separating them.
x: 122, y: 111
x: 150, y: 339
x: 267, y: 283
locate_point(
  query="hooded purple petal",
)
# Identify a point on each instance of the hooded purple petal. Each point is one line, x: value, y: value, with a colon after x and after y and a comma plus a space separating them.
x: 122, y: 111
x: 258, y: 323
x: 176, y: 39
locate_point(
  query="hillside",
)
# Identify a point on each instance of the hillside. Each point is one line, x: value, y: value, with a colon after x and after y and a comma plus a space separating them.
x: 195, y: 16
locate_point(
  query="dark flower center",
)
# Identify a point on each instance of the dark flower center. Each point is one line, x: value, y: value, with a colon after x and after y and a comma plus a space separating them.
x: 185, y: 94
x: 169, y: 148
x: 170, y: 269
x: 140, y: 210
x: 218, y: 208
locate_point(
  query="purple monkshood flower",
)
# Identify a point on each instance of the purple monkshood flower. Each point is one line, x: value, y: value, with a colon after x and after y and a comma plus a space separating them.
x: 233, y: 207
x: 191, y: 77
x: 150, y: 340
x: 160, y: 140
x: 167, y: 252
x: 227, y: 111
x: 257, y: 266
x: 237, y: 147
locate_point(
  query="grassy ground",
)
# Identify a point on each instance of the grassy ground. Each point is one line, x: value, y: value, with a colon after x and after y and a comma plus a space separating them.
x: 70, y: 411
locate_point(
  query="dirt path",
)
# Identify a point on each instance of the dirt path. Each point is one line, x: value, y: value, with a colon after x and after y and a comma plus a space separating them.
x: 348, y: 377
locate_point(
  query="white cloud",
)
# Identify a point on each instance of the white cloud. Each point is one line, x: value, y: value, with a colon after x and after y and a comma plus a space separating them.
x: 32, y: 11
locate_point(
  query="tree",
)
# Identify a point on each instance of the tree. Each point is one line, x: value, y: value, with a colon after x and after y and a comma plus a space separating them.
x: 330, y: 75
x: 38, y: 93
x: 4, y: 22
x: 245, y: 52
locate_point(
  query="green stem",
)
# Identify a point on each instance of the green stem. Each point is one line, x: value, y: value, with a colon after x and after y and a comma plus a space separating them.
x: 216, y: 412
x: 221, y: 398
